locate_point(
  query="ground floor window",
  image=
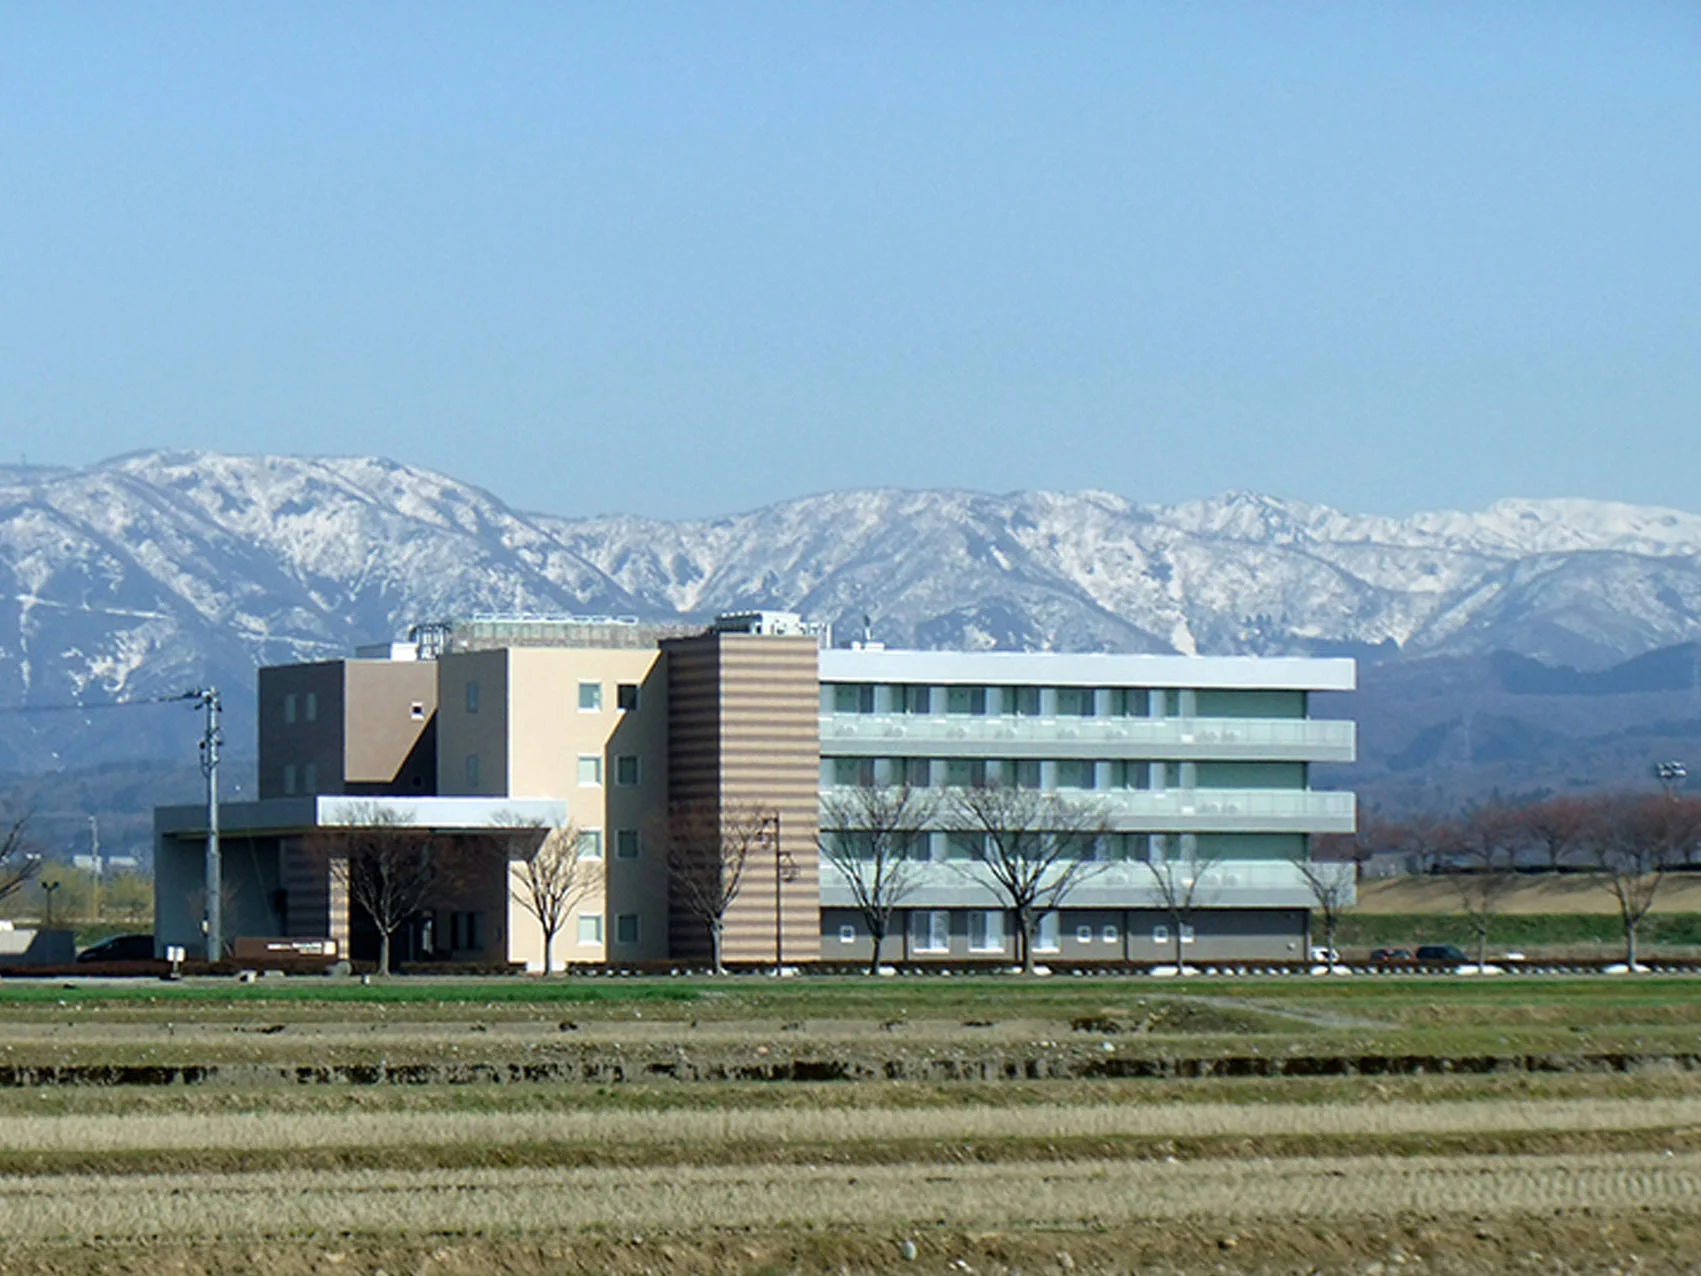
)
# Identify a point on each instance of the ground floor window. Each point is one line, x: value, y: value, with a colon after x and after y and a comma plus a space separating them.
x: 847, y: 934
x: 931, y: 931
x: 626, y: 928
x: 590, y: 928
x: 986, y: 931
x: 1045, y: 934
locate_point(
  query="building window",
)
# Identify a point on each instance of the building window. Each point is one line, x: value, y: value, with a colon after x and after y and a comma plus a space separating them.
x: 1083, y: 934
x: 1110, y: 934
x: 965, y: 701
x: 310, y: 778
x: 847, y: 934
x: 965, y: 847
x: 626, y: 696
x: 1024, y: 702
x: 1076, y: 773
x: 590, y: 769
x: 853, y: 772
x: 590, y: 928
x: 472, y: 697
x: 1186, y: 933
x: 917, y: 772
x: 289, y: 707
x: 626, y: 844
x: 1160, y: 934
x: 590, y: 697
x: 626, y: 770
x: 1130, y: 702
x: 590, y: 844
x: 626, y: 929
x: 931, y: 931
x: 464, y: 931
x: 966, y: 773
x: 917, y: 847
x: 416, y: 711
x: 1027, y: 773
x: 986, y: 931
x: 853, y: 697
x: 1075, y: 702
x: 289, y: 779
x: 1045, y: 934
x: 311, y: 706
x: 472, y: 770
x: 912, y: 699
x: 1131, y: 775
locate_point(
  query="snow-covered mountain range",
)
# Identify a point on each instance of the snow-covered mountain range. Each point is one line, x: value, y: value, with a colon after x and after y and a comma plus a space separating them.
x: 147, y: 573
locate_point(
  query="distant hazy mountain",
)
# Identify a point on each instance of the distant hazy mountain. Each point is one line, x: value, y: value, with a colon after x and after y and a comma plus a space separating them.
x: 149, y: 572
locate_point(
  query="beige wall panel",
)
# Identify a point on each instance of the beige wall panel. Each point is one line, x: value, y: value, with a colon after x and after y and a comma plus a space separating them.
x: 549, y: 734
x: 480, y: 733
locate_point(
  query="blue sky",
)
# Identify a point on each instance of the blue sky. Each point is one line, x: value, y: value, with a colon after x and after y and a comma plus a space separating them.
x: 681, y: 259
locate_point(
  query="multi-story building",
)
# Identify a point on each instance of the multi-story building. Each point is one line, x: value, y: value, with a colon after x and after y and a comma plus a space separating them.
x: 616, y: 728
x: 1202, y: 761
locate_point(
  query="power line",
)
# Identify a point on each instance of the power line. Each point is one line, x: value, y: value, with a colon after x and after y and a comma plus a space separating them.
x: 179, y: 698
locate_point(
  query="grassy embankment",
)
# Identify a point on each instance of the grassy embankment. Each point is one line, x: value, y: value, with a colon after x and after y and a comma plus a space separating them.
x: 1545, y: 915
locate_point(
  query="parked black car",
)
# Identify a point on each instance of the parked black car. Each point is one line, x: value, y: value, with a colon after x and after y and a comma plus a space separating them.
x: 120, y: 948
x: 1442, y: 954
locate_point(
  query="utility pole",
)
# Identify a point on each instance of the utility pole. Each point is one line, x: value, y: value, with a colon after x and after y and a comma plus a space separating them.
x: 212, y: 740
x: 94, y: 854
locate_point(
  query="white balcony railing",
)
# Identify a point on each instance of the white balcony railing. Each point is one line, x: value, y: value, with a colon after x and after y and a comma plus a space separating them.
x: 1120, y: 737
x: 1202, y: 810
x: 1226, y: 883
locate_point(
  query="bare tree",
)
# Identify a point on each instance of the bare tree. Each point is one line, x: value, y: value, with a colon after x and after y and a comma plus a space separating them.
x: 1479, y: 849
x: 388, y: 868
x: 1636, y: 841
x: 709, y: 846
x: 1558, y: 826
x: 1035, y: 849
x: 1180, y: 885
x: 1332, y: 893
x: 552, y: 880
x: 1372, y: 833
x: 17, y: 862
x: 867, y: 835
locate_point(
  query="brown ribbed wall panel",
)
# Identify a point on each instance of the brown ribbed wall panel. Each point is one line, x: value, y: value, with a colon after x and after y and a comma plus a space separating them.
x: 743, y: 727
x: 770, y: 755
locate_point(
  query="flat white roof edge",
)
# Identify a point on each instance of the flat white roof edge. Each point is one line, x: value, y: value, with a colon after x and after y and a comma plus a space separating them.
x: 444, y: 812
x: 1095, y: 669
x: 341, y: 810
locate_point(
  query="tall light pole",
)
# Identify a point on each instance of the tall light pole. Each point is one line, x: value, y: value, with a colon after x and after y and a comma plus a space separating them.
x: 784, y: 871
x: 1671, y: 775
x: 47, y: 889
